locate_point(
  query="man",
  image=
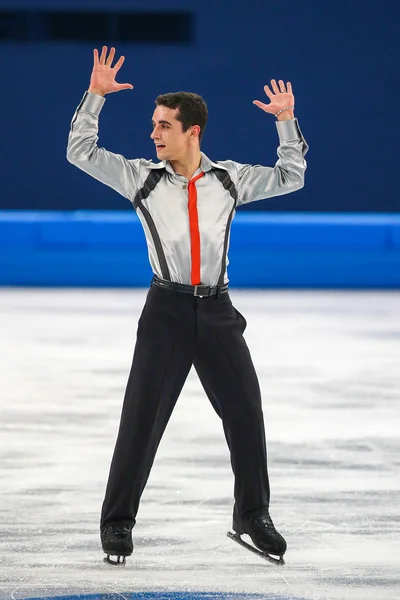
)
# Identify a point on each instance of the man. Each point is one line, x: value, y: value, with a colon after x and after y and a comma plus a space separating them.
x: 186, y: 203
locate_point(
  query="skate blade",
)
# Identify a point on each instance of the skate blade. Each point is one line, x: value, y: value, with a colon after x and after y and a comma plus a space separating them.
x: 120, y: 561
x: 236, y: 538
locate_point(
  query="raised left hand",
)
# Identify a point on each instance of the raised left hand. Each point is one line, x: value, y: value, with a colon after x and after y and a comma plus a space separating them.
x: 280, y: 98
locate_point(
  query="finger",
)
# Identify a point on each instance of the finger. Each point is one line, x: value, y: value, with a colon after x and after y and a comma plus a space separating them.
x: 274, y: 86
x: 119, y: 63
x: 110, y: 57
x: 289, y: 87
x: 95, y: 57
x: 260, y: 104
x: 125, y: 86
x: 268, y: 92
x: 282, y: 86
x: 103, y: 55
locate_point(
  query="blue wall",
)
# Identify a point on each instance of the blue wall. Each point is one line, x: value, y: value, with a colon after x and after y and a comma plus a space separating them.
x: 267, y: 250
x: 341, y: 58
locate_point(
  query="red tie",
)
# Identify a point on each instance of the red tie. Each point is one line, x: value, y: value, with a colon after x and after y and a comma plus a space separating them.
x: 194, y: 230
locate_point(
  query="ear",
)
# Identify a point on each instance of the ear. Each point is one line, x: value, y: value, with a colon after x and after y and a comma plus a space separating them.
x: 195, y: 131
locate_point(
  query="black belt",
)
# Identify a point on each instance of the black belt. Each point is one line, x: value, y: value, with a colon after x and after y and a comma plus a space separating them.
x: 194, y: 290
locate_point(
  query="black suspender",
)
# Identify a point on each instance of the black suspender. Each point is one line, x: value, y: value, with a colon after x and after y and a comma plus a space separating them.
x: 228, y: 184
x: 148, y: 186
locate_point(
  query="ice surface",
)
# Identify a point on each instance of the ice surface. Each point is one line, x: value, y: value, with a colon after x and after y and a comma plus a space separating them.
x: 329, y: 369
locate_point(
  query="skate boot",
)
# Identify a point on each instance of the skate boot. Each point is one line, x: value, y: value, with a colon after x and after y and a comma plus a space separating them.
x: 269, y: 544
x: 117, y: 541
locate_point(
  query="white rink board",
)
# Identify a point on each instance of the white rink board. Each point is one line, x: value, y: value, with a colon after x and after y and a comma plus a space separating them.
x: 329, y: 368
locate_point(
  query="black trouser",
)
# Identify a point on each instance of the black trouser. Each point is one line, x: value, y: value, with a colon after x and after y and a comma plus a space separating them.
x: 177, y: 330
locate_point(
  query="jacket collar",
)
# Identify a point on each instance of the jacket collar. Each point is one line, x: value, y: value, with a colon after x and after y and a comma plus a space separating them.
x: 205, y: 165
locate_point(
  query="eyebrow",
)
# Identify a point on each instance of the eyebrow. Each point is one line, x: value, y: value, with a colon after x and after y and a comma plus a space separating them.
x: 167, y: 122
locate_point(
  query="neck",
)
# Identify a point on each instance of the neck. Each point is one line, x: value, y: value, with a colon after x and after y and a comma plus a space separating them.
x: 188, y: 166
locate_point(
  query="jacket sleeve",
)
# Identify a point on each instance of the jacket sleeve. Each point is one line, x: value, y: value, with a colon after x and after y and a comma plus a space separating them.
x: 112, y: 169
x: 256, y: 182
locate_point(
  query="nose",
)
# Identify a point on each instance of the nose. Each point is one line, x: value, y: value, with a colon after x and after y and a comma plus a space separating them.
x: 154, y: 134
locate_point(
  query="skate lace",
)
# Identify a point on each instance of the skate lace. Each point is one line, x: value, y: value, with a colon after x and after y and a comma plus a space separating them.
x: 265, y: 521
x: 119, y: 530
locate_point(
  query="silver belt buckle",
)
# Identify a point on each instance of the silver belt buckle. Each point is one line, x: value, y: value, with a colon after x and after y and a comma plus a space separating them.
x: 195, y: 291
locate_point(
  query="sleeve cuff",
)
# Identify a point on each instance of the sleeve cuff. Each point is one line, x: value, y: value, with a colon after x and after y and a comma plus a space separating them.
x: 92, y: 103
x: 288, y: 130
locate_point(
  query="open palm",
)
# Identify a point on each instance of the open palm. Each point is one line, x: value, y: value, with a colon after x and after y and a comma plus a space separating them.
x: 103, y: 75
x: 280, y: 98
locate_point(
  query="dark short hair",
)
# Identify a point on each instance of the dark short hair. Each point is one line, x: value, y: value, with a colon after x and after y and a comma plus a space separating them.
x: 192, y: 109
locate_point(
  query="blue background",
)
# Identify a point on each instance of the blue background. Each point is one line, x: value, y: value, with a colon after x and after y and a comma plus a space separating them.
x: 59, y: 226
x: 341, y: 57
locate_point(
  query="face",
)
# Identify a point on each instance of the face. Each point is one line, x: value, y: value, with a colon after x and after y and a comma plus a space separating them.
x: 171, y: 142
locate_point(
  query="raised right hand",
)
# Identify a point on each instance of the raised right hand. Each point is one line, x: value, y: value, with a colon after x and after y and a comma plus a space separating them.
x: 102, y: 80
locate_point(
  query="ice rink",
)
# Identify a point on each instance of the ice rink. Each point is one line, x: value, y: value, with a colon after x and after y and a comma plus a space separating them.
x: 329, y: 369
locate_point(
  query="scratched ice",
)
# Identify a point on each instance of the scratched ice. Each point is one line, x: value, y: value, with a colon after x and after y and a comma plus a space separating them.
x: 329, y: 368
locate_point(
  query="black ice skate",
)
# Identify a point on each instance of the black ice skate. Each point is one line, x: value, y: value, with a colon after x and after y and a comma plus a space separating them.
x: 117, y: 541
x: 268, y: 543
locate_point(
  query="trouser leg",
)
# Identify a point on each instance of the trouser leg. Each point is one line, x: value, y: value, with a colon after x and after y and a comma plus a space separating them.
x: 162, y: 359
x: 226, y: 371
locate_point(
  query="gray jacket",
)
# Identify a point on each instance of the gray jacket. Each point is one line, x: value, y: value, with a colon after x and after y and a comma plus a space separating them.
x: 160, y: 195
